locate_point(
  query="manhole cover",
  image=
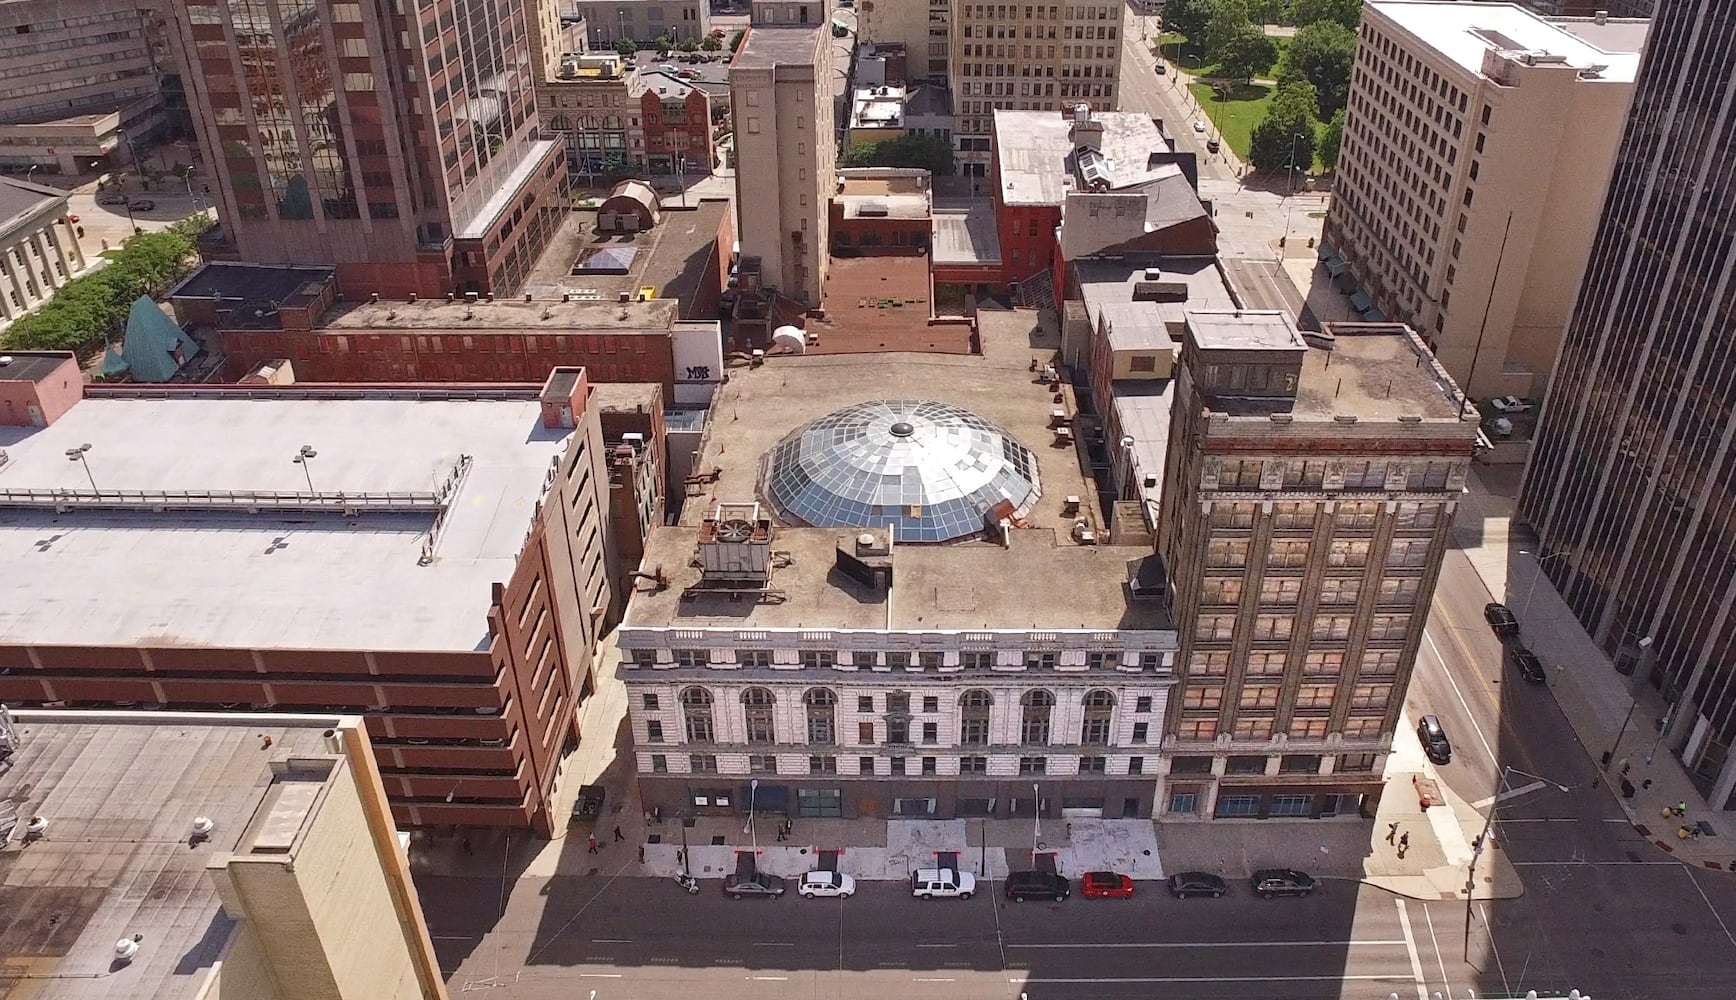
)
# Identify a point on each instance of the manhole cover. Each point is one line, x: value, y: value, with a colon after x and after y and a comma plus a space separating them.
x: 654, y: 838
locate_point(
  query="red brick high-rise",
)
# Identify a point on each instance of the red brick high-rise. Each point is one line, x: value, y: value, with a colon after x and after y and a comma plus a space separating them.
x: 398, y: 142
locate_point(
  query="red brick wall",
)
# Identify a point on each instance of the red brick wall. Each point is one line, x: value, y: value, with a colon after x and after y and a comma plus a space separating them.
x: 452, y: 356
x: 51, y: 395
x: 1027, y: 238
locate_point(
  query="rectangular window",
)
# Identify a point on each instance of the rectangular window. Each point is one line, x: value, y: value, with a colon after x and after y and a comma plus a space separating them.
x: 703, y: 763
x: 762, y: 764
x: 659, y: 763
x: 1238, y: 805
x: 1033, y: 765
x: 930, y: 704
x: 814, y: 659
x: 1140, y: 731
x: 864, y: 765
x: 930, y: 661
x: 653, y: 731
x: 649, y: 700
x: 1040, y: 661
x: 865, y: 733
x: 1102, y: 661
x: 1183, y: 802
x: 1354, y: 763
x: 973, y: 765
x: 930, y: 765
x: 864, y: 703
x: 1094, y: 765
x: 897, y: 764
x: 822, y: 764
x: 898, y: 702
x: 1292, y: 805
x: 1197, y: 728
x: 898, y: 661
x: 975, y: 660
x: 753, y: 657
x: 1142, y: 703
x: 930, y: 733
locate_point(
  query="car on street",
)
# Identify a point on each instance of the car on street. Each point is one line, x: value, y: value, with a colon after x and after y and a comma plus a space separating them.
x: 1434, y: 740
x: 1501, y: 618
x: 1106, y: 885
x: 1037, y: 885
x: 111, y: 199
x: 1269, y: 882
x: 1162, y: 68
x: 1199, y: 125
x: 741, y: 885
x: 1509, y: 404
x: 1528, y: 665
x: 1185, y: 884
x: 143, y: 205
x: 826, y: 883
x: 943, y: 883
x: 1213, y: 145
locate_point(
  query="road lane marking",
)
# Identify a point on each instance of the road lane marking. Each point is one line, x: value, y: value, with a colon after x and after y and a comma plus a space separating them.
x: 1220, y: 944
x: 1721, y: 924
x: 610, y: 941
x: 1410, y: 946
x: 1489, y: 929
x: 774, y: 944
x: 1438, y: 957
x: 1511, y: 793
x: 934, y: 980
x: 768, y: 979
x: 1448, y: 672
x: 937, y: 946
x: 599, y: 975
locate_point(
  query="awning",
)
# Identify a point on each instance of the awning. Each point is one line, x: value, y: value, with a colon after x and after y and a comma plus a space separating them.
x: 766, y: 798
x: 1361, y: 301
x: 1326, y: 252
x: 1335, y: 266
x: 1374, y: 315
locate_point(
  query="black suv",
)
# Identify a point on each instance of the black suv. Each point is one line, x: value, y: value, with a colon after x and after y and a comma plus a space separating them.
x: 1271, y: 882
x: 1434, y: 740
x: 1501, y: 618
x: 1530, y: 667
x: 1037, y: 885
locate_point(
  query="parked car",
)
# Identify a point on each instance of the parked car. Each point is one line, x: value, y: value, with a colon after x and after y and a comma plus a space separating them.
x: 825, y: 883
x: 1500, y: 427
x: 1434, y: 740
x: 927, y: 883
x: 111, y: 199
x: 1213, y: 145
x: 742, y: 884
x: 1037, y: 885
x: 1106, y: 885
x: 1509, y: 404
x: 1530, y: 667
x: 1162, y: 68
x: 1185, y: 884
x: 143, y: 205
x: 1501, y: 618
x: 1199, y: 125
x: 1269, y: 882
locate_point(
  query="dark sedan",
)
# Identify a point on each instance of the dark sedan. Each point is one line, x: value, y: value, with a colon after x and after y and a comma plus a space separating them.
x: 1529, y: 666
x: 1185, y: 884
x: 738, y: 885
x: 1501, y: 618
x: 1271, y: 882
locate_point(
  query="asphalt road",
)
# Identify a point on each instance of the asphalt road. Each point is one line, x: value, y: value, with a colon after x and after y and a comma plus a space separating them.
x: 1264, y: 285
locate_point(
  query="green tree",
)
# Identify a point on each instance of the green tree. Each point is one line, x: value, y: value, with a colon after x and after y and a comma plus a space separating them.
x: 1229, y: 19
x: 1324, y: 54
x: 1189, y: 18
x: 735, y: 41
x: 91, y: 307
x: 1246, y: 54
x: 1345, y: 12
x: 627, y: 47
x: 1287, y: 131
x: 1331, y: 138
x: 711, y: 44
x: 924, y: 152
x: 688, y: 45
x: 663, y: 44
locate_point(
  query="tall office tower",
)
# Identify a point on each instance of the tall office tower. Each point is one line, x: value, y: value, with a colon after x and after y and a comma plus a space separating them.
x: 1478, y: 141
x: 1025, y: 57
x: 396, y: 141
x: 786, y: 150
x: 1630, y: 487
x: 921, y: 26
x: 1306, y: 505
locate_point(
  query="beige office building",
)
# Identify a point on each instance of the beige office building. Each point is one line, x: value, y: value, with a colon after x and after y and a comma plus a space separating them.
x: 185, y: 856
x: 1478, y: 145
x: 780, y: 85
x: 1028, y: 57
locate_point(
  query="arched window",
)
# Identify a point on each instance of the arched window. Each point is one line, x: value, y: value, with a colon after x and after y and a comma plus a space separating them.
x: 821, y: 703
x: 1034, y: 717
x: 757, y: 703
x: 560, y: 123
x: 973, y: 716
x: 696, y: 713
x: 1099, y: 710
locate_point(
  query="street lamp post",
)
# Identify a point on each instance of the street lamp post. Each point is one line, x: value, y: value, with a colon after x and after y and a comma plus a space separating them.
x: 77, y: 455
x: 304, y: 458
x: 1532, y: 589
x: 1037, y: 820
x: 752, y: 796
x: 1648, y: 656
x: 34, y: 167
x: 1290, y: 189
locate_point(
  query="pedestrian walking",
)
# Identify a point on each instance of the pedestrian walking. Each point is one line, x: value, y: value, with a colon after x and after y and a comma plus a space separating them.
x: 1391, y: 832
x: 619, y: 836
x: 1404, y: 843
x: 1682, y: 808
x: 593, y: 845
x: 641, y: 853
x: 465, y: 844
x: 1626, y: 766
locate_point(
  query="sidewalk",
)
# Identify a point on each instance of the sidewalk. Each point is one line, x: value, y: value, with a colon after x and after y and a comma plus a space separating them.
x: 1594, y: 697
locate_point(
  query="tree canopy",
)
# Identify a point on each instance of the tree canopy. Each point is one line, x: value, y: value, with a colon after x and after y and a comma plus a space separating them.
x: 926, y: 152
x: 1286, y: 136
x: 1245, y: 54
x: 1344, y: 12
x: 1324, y: 54
x: 1332, y: 140
x: 627, y: 47
x: 1189, y: 18
x: 90, y: 307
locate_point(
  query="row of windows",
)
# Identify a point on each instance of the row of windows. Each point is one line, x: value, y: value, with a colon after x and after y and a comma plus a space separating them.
x: 1205, y: 728
x: 1381, y: 628
x: 1350, y: 515
x: 1233, y: 553
x: 1287, y: 590
x: 817, y: 659
x: 1416, y: 476
x: 706, y: 763
x: 1216, y: 662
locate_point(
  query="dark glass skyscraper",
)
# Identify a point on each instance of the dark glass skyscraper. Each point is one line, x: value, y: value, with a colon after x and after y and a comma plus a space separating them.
x: 395, y: 139
x: 1632, y: 486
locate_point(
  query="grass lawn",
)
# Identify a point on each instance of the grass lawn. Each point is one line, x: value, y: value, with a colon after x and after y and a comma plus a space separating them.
x: 1194, y: 60
x: 1235, y: 117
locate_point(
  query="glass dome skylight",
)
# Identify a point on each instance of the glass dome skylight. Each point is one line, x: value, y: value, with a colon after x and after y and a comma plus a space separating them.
x: 930, y: 470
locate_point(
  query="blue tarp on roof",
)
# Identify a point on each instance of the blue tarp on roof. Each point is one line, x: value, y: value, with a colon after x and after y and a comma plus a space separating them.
x: 1361, y: 301
x: 155, y: 346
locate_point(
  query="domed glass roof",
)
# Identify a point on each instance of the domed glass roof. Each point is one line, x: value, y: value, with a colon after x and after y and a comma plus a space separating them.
x: 930, y: 470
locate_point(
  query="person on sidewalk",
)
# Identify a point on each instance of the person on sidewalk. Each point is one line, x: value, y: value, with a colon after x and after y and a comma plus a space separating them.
x: 592, y: 845
x: 1392, y: 833
x: 1403, y: 845
x: 619, y: 836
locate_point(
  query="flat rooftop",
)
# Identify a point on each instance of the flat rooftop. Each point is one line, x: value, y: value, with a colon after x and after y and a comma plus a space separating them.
x: 768, y: 46
x: 297, y: 579
x: 961, y: 584
x: 120, y: 792
x: 279, y: 283
x: 1462, y: 32
x: 881, y: 304
x: 964, y: 232
x: 670, y: 256
x: 549, y: 313
x: 1035, y: 149
x: 19, y: 198
x: 1120, y: 289
x: 32, y: 366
